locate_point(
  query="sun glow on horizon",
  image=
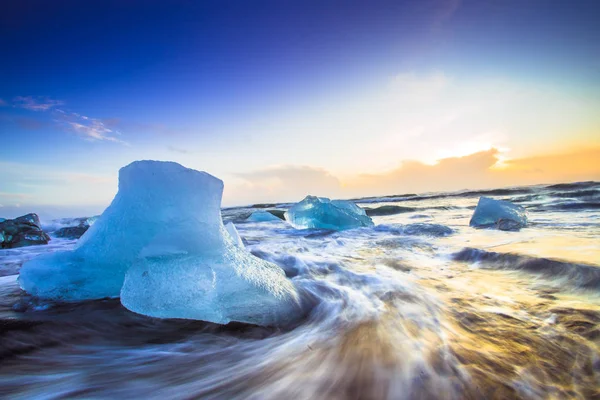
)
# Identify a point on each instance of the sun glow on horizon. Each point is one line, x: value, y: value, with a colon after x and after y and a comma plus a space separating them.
x: 365, y: 102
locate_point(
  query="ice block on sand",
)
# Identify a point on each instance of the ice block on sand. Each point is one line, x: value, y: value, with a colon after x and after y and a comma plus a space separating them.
x: 322, y: 213
x: 500, y: 214
x: 161, y: 245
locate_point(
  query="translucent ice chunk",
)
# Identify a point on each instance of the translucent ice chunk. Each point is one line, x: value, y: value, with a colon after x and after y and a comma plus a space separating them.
x: 233, y: 232
x: 231, y: 286
x: 262, y: 216
x: 322, y: 213
x: 499, y: 214
x: 162, y: 246
x: 149, y: 214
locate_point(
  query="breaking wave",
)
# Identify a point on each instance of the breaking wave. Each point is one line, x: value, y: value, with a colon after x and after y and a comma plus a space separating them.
x: 576, y: 275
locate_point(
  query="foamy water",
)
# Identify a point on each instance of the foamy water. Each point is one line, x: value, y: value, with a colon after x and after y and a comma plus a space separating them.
x: 420, y: 306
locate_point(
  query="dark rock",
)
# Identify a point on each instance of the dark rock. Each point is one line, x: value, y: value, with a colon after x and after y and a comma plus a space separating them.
x: 392, y: 197
x: 74, y: 229
x: 266, y: 205
x: 388, y: 210
x: 72, y: 232
x: 508, y: 225
x: 23, y: 231
x: 278, y: 213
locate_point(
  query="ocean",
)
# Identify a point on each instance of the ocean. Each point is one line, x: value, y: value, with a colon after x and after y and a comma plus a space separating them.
x: 419, y: 306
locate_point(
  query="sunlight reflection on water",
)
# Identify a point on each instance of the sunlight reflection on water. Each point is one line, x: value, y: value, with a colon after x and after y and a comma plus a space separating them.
x: 397, y: 315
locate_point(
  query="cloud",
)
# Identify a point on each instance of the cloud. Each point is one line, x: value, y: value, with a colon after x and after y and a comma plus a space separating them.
x: 90, y: 178
x: 93, y: 129
x: 453, y: 173
x: 578, y: 165
x: 178, y: 150
x: 36, y: 103
x: 282, y: 183
x: 3, y: 103
x: 480, y: 170
x: 12, y: 196
x: 31, y: 185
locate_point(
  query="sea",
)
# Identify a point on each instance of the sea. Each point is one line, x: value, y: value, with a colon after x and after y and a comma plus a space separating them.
x: 420, y: 306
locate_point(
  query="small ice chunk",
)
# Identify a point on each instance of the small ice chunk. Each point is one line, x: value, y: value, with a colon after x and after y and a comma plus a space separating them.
x: 499, y: 214
x: 233, y: 232
x: 322, y: 213
x: 162, y: 246
x: 552, y: 319
x: 262, y: 216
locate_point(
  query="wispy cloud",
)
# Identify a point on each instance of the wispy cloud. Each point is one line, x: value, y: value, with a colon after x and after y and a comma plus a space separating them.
x: 36, y: 103
x: 284, y: 183
x: 89, y: 128
x: 3, y: 103
x: 12, y: 196
x: 179, y: 150
x: 33, y: 184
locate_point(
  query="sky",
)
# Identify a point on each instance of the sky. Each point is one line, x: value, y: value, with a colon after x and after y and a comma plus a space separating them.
x: 281, y: 99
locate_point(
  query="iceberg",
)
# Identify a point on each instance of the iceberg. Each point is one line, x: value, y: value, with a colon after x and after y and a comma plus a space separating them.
x: 162, y: 246
x: 262, y: 216
x: 322, y: 213
x: 500, y: 214
x: 233, y: 233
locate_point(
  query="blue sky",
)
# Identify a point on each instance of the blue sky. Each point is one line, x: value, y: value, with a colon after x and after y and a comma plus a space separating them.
x: 255, y: 91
